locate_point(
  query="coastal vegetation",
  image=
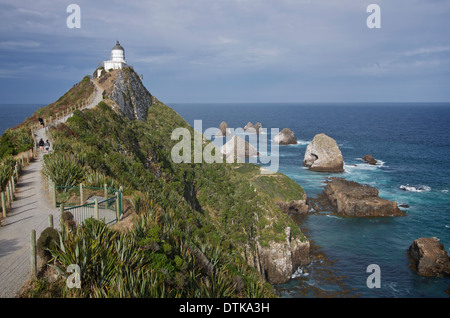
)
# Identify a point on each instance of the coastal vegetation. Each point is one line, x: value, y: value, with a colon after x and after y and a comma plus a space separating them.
x: 72, y: 99
x: 15, y: 141
x: 12, y: 143
x: 194, y: 226
x: 20, y: 139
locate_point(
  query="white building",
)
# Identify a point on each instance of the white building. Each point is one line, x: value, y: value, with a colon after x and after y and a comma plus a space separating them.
x: 117, y: 60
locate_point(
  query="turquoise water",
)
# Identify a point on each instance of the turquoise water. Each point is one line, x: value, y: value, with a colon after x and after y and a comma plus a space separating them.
x: 412, y: 145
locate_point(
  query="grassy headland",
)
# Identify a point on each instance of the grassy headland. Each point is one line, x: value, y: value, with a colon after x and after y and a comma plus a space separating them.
x: 194, y: 224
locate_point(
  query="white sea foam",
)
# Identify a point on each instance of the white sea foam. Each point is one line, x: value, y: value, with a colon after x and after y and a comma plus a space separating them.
x: 444, y: 191
x: 303, y: 142
x: 420, y: 188
x: 333, y: 216
x: 299, y: 273
x: 299, y: 143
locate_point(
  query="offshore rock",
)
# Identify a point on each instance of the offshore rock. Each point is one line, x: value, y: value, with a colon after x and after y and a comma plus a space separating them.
x: 238, y: 148
x: 224, y: 130
x: 130, y: 95
x: 249, y: 124
x: 428, y: 257
x: 369, y: 159
x: 323, y: 155
x: 256, y: 128
x: 352, y: 199
x: 285, y: 137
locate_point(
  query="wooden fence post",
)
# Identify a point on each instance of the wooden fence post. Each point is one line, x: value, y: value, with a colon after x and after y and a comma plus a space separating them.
x: 106, y: 191
x: 8, y: 196
x: 33, y: 253
x: 81, y: 194
x: 53, y: 186
x: 96, y: 208
x: 11, y: 195
x: 50, y: 220
x: 3, y: 204
x: 121, y: 197
x: 117, y: 206
x: 13, y: 184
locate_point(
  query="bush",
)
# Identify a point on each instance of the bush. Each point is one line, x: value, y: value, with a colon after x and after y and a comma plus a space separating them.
x: 63, y: 169
x: 48, y: 239
x: 6, y: 170
x: 67, y: 218
x: 15, y: 141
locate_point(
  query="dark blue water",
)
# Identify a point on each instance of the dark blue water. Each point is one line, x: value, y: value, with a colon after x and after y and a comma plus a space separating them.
x: 12, y: 115
x: 412, y: 145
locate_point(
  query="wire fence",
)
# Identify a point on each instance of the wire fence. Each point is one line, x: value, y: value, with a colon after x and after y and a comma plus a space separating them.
x: 85, y: 202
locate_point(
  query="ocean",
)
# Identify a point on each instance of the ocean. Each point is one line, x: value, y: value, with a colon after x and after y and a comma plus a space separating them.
x: 412, y: 145
x: 14, y: 114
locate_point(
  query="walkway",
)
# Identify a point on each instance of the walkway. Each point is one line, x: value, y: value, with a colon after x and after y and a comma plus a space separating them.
x: 29, y: 211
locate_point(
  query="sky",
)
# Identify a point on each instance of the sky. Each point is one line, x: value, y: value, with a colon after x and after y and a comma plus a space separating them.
x: 232, y: 50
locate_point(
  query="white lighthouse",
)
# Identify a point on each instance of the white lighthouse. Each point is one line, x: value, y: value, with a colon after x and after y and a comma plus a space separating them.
x: 117, y: 60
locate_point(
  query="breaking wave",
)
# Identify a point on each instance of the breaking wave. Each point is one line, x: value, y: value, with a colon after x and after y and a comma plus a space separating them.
x: 422, y: 188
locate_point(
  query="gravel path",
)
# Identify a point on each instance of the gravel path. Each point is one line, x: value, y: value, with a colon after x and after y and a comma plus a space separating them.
x: 29, y: 211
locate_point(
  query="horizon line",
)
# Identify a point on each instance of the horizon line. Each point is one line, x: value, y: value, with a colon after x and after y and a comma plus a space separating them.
x: 272, y: 102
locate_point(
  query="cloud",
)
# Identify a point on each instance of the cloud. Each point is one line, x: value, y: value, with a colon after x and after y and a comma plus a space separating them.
x: 427, y: 50
x: 233, y: 40
x: 17, y: 45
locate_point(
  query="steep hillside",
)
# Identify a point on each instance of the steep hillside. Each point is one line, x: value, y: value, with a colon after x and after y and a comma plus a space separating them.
x: 226, y: 215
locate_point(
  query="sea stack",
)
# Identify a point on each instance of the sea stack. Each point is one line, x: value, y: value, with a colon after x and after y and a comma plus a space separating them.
x: 352, y: 199
x: 238, y: 148
x: 285, y: 137
x: 223, y: 130
x: 428, y: 257
x: 323, y: 155
x: 256, y: 128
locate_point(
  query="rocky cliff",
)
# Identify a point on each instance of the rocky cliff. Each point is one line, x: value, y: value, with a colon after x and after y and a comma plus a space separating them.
x: 276, y: 261
x: 125, y: 89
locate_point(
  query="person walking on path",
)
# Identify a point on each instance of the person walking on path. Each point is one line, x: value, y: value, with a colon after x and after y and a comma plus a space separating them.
x: 47, y: 146
x: 41, y: 145
x: 41, y: 121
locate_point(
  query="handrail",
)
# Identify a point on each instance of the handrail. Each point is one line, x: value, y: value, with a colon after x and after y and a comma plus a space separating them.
x: 104, y: 204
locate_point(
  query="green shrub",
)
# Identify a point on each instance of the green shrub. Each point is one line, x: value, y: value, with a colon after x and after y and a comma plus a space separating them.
x: 63, y: 169
x: 48, y: 239
x: 6, y: 171
x: 15, y: 141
